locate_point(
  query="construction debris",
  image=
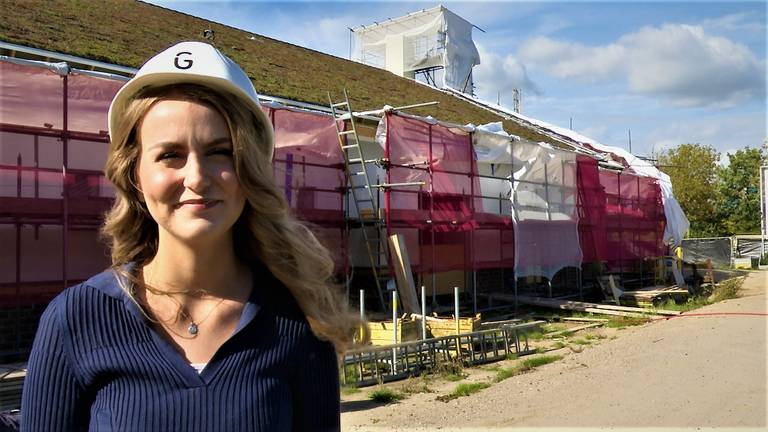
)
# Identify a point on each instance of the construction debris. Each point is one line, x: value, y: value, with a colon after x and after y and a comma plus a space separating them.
x: 593, y: 307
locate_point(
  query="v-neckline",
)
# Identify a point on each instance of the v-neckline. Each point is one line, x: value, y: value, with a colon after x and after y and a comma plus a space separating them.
x: 186, y: 372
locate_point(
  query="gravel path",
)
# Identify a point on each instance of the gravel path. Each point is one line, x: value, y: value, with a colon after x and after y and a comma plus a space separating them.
x: 707, y: 369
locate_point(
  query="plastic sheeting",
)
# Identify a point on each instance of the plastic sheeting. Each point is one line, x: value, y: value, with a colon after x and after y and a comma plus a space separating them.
x: 544, y: 208
x: 677, y: 223
x: 634, y: 219
x: 425, y: 39
x: 309, y: 169
x: 750, y: 246
x: 445, y: 223
x: 698, y: 250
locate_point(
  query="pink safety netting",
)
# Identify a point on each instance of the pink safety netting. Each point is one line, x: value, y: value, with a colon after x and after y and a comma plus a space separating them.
x: 443, y: 221
x: 40, y: 257
x: 630, y: 226
x: 309, y: 169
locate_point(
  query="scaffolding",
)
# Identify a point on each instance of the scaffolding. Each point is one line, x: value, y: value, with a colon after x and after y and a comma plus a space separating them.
x: 467, y: 225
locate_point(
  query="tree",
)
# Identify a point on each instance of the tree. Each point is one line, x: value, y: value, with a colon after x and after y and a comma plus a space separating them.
x: 738, y: 187
x: 693, y: 171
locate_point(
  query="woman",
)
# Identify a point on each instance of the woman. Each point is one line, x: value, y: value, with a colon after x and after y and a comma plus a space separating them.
x: 217, y: 313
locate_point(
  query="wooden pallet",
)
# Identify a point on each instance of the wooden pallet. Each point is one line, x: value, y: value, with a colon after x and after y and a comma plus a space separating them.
x: 381, y: 331
x: 446, y: 326
x: 651, y: 297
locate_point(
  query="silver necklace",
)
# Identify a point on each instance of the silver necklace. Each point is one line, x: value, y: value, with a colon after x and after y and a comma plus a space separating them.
x: 194, y: 327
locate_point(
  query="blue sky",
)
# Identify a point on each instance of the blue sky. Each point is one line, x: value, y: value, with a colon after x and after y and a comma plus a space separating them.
x: 672, y: 72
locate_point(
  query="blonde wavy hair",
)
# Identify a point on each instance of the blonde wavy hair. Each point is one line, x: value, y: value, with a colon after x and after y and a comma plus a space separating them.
x: 266, y: 231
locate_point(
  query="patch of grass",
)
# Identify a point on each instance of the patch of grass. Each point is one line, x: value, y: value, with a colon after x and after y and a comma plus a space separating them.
x: 509, y: 372
x: 581, y: 341
x: 557, y: 345
x: 384, y: 395
x: 541, y: 360
x: 349, y: 390
x: 525, y: 365
x: 462, y: 390
x: 565, y: 334
x: 512, y: 356
x: 454, y: 377
x: 727, y: 289
x: 416, y: 385
x: 450, y: 370
x: 547, y: 328
x: 691, y: 304
x: 620, y: 322
x: 535, y: 335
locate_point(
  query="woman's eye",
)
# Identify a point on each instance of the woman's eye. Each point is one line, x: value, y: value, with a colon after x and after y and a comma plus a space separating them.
x: 167, y: 155
x: 222, y: 151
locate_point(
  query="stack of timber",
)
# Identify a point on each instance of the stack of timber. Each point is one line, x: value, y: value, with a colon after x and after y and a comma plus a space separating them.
x: 650, y: 297
x: 594, y: 307
x: 381, y: 331
x: 446, y: 326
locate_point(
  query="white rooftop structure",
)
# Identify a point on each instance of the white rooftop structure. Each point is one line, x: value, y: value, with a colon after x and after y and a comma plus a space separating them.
x: 425, y: 41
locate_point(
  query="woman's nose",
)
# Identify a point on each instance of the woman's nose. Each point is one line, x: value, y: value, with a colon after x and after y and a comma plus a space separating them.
x: 196, y: 176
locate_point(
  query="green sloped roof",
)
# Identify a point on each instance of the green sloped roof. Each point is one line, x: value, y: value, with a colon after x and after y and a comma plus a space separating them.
x: 126, y: 32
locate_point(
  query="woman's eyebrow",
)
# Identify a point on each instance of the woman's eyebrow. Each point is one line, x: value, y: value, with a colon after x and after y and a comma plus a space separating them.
x: 170, y: 145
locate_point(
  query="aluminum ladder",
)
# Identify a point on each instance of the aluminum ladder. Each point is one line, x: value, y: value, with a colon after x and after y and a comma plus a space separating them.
x: 361, y: 192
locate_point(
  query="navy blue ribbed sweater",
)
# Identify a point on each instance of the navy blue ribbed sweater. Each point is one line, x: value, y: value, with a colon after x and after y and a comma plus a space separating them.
x: 97, y: 364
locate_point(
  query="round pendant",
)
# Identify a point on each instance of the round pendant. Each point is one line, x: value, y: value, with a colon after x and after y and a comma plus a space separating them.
x: 192, y: 329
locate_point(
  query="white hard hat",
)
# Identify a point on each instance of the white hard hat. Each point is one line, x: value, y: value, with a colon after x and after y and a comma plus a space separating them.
x: 192, y: 63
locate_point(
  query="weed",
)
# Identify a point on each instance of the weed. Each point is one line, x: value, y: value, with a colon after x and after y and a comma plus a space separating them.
x: 620, y: 322
x: 590, y: 336
x: 535, y: 335
x: 541, y: 360
x: 580, y: 341
x: 416, y: 385
x: 451, y: 368
x: 691, y: 304
x: 557, y: 345
x: 349, y: 389
x: 465, y: 389
x: 512, y: 356
x: 509, y: 372
x: 727, y: 289
x: 454, y: 377
x: 553, y: 327
x: 350, y: 374
x: 524, y: 366
x: 384, y: 395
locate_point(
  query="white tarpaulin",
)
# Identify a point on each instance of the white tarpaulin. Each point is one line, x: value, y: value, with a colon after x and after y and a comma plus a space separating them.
x: 433, y: 37
x: 544, y: 210
x: 677, y: 223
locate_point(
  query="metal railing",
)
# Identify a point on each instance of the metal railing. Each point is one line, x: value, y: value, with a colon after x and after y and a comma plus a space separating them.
x: 376, y: 364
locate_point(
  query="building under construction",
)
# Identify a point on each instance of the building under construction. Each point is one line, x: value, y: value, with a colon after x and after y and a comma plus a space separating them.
x: 515, y: 205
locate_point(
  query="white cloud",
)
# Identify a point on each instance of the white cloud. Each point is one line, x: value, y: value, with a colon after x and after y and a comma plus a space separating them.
x: 737, y: 22
x: 680, y: 63
x: 497, y: 74
x: 726, y: 133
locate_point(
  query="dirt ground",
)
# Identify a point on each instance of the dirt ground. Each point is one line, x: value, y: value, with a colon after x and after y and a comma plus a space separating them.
x: 706, y: 369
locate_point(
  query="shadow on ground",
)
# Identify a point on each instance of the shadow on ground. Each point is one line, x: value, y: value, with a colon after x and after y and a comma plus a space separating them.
x: 351, y: 406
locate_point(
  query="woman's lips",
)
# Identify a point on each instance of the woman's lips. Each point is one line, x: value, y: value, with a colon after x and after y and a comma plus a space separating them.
x: 198, y: 204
